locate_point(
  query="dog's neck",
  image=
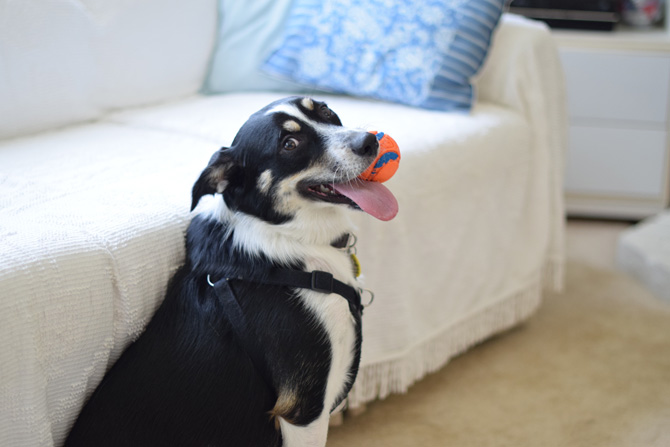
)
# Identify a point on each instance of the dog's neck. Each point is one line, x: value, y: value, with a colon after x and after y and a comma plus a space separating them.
x: 308, y: 236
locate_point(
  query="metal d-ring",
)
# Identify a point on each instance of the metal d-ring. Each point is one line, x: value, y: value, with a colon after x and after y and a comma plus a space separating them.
x: 351, y: 248
x: 372, y: 297
x: 209, y: 281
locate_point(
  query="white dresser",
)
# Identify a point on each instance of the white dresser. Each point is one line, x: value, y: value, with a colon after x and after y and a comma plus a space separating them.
x: 619, y: 104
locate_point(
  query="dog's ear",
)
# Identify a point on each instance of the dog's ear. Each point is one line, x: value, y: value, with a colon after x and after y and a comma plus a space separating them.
x: 214, y: 178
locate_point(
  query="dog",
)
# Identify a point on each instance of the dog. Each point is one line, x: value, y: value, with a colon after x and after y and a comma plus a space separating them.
x: 258, y: 338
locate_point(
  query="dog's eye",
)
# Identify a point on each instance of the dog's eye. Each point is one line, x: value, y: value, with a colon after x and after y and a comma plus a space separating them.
x: 290, y: 144
x: 325, y: 111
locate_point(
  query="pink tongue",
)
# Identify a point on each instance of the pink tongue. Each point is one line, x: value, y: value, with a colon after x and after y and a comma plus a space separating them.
x: 372, y: 197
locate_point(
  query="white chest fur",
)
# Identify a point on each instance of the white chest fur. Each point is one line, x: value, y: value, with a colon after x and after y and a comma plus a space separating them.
x: 335, y: 316
x: 332, y: 311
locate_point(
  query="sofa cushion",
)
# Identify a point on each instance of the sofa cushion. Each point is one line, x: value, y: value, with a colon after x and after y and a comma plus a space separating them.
x: 414, y: 52
x: 248, y: 33
x: 63, y: 62
x: 216, y: 118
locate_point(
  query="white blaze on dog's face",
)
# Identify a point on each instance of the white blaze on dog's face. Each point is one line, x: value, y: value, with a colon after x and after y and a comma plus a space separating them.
x: 294, y: 160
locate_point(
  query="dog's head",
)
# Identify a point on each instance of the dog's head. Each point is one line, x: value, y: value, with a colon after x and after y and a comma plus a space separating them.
x: 293, y: 159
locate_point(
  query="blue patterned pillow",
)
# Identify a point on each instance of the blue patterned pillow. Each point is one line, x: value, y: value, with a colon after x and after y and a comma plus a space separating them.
x: 417, y: 52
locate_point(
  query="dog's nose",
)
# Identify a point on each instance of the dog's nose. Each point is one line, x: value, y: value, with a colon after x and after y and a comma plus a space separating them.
x: 365, y: 144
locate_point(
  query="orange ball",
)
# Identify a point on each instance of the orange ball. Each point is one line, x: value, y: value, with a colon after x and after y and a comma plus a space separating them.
x: 387, y: 161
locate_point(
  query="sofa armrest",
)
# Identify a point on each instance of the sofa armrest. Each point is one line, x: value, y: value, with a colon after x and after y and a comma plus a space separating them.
x: 524, y: 73
x: 520, y: 47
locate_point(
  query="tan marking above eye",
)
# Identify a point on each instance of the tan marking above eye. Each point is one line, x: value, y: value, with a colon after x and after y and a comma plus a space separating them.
x: 291, y: 126
x: 307, y: 103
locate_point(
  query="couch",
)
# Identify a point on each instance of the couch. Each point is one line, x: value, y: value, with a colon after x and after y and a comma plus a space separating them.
x: 104, y: 129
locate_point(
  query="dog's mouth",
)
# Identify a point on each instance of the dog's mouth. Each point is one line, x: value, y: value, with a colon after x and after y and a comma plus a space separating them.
x: 327, y: 193
x: 371, y: 197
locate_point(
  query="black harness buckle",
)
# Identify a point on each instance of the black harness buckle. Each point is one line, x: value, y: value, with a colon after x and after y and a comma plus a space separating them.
x: 322, y: 282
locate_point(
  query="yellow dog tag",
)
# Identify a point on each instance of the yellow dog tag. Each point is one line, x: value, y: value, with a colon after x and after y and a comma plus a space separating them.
x: 356, y: 265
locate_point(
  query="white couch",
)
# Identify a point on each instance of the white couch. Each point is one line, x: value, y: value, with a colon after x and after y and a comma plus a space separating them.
x: 103, y: 133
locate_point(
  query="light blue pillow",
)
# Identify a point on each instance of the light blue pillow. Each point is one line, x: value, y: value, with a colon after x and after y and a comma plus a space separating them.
x: 417, y: 52
x: 248, y: 33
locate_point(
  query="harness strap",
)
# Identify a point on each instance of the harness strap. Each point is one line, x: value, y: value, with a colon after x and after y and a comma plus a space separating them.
x: 248, y: 341
x: 317, y: 281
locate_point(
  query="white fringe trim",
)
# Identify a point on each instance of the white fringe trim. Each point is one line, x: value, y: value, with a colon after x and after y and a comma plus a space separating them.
x: 378, y: 381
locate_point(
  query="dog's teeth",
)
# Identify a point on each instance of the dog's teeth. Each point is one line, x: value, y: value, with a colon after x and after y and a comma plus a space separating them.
x: 325, y: 190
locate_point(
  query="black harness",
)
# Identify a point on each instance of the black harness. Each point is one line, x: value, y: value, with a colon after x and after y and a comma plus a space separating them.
x: 316, y: 280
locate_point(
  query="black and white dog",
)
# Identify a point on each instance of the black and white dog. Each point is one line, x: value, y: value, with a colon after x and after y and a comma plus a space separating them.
x: 259, y: 336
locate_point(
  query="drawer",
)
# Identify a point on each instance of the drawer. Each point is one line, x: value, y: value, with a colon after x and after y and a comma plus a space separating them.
x: 616, y: 162
x: 628, y: 86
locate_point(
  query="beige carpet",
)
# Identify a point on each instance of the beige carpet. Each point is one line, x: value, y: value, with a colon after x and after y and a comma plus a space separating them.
x: 591, y: 368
